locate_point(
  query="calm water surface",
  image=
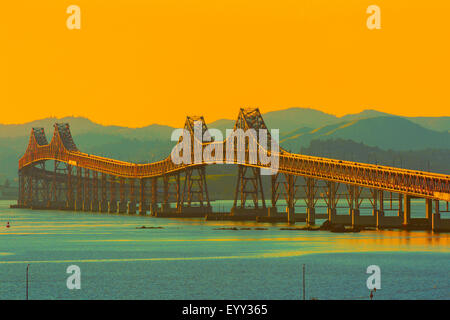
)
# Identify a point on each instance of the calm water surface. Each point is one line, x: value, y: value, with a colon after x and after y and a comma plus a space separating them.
x: 191, y: 259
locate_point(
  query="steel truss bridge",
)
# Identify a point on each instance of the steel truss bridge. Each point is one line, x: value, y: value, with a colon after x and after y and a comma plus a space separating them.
x: 80, y: 181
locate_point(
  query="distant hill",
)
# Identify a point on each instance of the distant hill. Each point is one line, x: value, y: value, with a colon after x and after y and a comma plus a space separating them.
x: 294, y: 118
x: 365, y: 114
x: 285, y: 120
x: 434, y: 160
x: 384, y: 132
x: 433, y: 123
x: 80, y: 125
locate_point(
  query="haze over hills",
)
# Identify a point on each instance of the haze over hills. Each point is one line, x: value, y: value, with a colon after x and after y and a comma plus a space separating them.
x: 298, y: 128
x: 295, y: 118
x: 80, y: 125
x: 286, y: 120
x: 394, y: 133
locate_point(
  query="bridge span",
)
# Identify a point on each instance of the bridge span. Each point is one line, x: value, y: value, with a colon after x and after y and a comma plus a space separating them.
x: 80, y: 181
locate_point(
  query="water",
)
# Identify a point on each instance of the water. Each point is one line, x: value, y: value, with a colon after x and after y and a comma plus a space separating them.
x: 190, y: 259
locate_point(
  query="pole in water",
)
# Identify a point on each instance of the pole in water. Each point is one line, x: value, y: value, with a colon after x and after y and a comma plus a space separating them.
x: 28, y: 266
x: 304, y: 295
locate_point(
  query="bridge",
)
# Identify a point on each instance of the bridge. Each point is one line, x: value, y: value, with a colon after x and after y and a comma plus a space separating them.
x: 85, y: 182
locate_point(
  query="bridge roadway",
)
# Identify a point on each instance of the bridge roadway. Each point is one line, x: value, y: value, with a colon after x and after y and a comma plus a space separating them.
x: 378, y: 179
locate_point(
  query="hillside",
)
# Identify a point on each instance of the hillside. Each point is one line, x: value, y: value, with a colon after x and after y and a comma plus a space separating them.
x: 384, y: 132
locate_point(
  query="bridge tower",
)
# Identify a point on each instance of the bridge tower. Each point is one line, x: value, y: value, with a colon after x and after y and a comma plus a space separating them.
x: 249, y: 184
x: 193, y: 197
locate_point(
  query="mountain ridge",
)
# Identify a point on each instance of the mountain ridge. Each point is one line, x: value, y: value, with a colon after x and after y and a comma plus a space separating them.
x: 286, y: 120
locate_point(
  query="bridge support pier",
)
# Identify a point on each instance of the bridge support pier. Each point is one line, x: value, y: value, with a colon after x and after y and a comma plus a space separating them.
x: 310, y: 191
x: 132, y: 207
x: 407, y: 212
x: 310, y: 216
x: 380, y: 216
x: 70, y: 205
x: 95, y: 206
x: 123, y: 207
x: 78, y: 205
x: 132, y: 203
x: 87, y: 191
x: 86, y: 205
x: 103, y: 206
x: 195, y: 189
x: 290, y: 194
x: 142, y: 197
x: 166, y: 208
x: 272, y: 212
x: 439, y: 224
x: 154, y: 201
x: 331, y: 200
x: 112, y: 207
x: 69, y: 189
x: 331, y: 215
x: 355, y: 213
x: 249, y: 184
x: 436, y: 221
x: 429, y: 210
x: 401, y: 212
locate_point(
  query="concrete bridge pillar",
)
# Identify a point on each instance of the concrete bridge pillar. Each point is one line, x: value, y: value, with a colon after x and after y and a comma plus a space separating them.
x: 153, y: 209
x: 291, y: 215
x: 435, y: 221
x: 165, y: 207
x: 436, y: 217
x: 401, y: 213
x: 142, y: 208
x: 70, y: 205
x: 78, y: 205
x: 355, y: 217
x: 142, y: 197
x: 86, y: 205
x: 331, y: 214
x: 87, y: 191
x: 380, y: 216
x: 310, y: 216
x: 132, y: 207
x: 112, y: 208
x: 272, y: 212
x: 95, y: 206
x: 407, y: 210
x: 123, y: 206
x: 103, y: 206
x: 429, y: 210
x: 290, y: 198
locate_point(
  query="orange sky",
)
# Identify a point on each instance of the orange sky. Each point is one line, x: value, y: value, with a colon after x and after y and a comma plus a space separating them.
x: 137, y: 62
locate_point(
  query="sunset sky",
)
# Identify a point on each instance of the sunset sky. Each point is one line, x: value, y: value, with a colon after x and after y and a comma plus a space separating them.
x: 137, y: 62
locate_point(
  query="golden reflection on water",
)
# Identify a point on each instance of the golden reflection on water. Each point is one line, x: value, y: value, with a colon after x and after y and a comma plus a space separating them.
x: 324, y: 242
